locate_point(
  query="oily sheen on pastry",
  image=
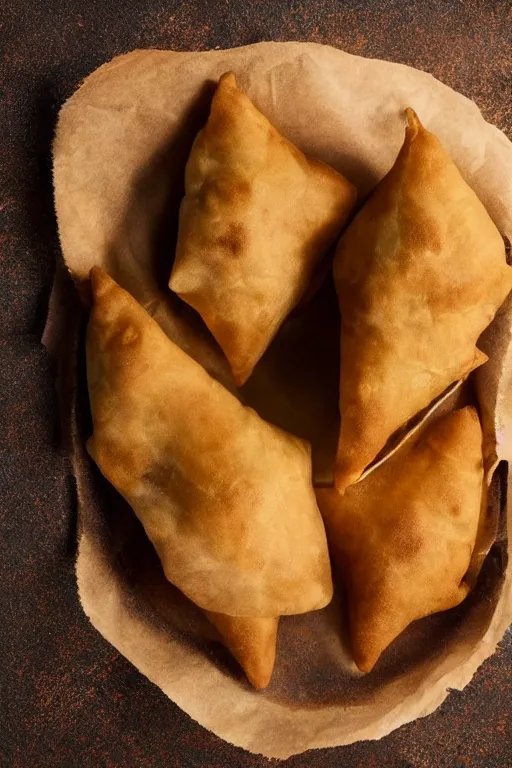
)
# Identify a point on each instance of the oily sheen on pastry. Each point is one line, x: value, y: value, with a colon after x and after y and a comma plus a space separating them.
x: 256, y: 219
x: 402, y: 538
x: 420, y: 273
x: 225, y: 498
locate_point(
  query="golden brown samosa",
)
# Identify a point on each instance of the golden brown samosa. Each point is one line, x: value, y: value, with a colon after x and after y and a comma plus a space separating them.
x: 402, y: 538
x: 252, y: 641
x: 256, y: 219
x: 420, y: 273
x: 225, y: 498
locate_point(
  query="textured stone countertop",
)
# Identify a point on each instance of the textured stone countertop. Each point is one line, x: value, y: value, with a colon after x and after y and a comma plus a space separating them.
x: 67, y: 697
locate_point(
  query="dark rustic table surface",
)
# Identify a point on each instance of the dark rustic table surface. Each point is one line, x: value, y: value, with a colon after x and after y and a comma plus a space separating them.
x: 67, y: 697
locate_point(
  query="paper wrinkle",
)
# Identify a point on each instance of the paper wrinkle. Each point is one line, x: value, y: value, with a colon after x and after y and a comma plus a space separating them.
x: 119, y: 155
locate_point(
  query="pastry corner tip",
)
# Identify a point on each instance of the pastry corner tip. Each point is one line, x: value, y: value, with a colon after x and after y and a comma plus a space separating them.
x: 259, y: 678
x: 228, y: 79
x: 100, y: 280
x: 365, y: 664
x: 414, y: 125
x: 344, y: 477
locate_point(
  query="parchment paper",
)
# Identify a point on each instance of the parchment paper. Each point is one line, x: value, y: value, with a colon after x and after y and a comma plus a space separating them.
x: 119, y: 155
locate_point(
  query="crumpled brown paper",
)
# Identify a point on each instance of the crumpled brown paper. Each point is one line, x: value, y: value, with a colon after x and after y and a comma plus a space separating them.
x: 119, y: 155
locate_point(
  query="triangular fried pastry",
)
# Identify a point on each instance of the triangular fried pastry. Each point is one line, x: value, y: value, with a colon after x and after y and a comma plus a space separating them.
x: 251, y: 641
x: 256, y: 220
x: 225, y: 497
x: 402, y: 538
x: 420, y: 273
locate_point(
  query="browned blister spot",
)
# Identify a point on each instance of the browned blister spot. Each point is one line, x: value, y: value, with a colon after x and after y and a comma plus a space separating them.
x: 234, y: 241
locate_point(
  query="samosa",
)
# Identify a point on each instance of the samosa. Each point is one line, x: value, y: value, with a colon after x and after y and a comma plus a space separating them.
x: 256, y: 220
x: 225, y: 498
x: 403, y: 537
x: 420, y: 273
x: 252, y: 641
